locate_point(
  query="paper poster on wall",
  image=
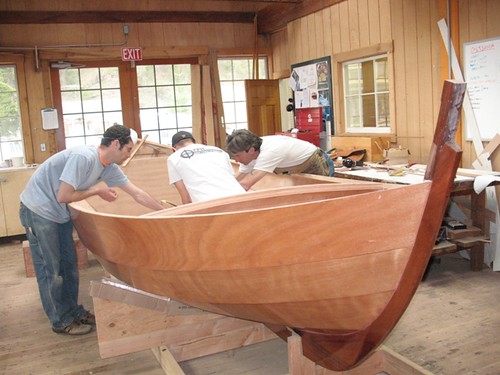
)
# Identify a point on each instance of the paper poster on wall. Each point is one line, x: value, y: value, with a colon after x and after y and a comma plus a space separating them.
x: 482, y: 74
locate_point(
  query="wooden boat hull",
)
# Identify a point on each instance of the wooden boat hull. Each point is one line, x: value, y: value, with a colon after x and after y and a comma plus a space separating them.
x: 335, y: 263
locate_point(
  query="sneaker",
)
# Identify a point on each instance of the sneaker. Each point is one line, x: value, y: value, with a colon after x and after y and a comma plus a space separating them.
x: 74, y: 329
x: 87, y: 318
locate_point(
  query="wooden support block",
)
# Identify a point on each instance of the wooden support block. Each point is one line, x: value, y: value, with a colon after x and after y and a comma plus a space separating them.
x: 384, y: 360
x: 186, y: 332
x: 81, y: 255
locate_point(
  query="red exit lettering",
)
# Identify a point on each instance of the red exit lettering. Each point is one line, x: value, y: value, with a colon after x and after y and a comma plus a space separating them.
x: 131, y: 54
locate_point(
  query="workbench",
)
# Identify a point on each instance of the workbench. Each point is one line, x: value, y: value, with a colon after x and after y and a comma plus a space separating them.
x: 473, y: 238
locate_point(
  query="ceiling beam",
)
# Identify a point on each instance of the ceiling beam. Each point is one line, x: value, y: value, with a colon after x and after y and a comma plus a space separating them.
x: 277, y: 16
x: 52, y: 17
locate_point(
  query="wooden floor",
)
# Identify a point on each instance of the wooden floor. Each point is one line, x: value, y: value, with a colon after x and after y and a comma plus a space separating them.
x: 451, y: 327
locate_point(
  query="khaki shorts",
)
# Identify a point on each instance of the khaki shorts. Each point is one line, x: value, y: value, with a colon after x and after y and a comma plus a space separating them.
x: 317, y: 164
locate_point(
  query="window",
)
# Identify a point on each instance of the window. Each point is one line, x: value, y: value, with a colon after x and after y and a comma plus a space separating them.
x: 91, y: 100
x: 366, y: 95
x: 11, y: 142
x: 165, y: 102
x: 232, y: 75
x: 90, y: 103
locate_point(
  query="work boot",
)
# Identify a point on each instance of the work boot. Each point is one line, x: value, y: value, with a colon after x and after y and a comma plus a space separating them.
x: 87, y: 318
x: 74, y: 329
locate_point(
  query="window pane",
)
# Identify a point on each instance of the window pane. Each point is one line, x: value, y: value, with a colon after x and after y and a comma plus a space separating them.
x: 182, y: 74
x: 94, y: 124
x: 168, y: 118
x: 109, y: 78
x: 71, y: 102
x: 73, y: 125
x: 90, y: 78
x: 184, y: 117
x: 70, y: 79
x: 352, y: 112
x: 164, y: 75
x: 241, y: 69
x: 11, y: 144
x: 145, y: 75
x: 147, y: 97
x: 241, y: 112
x: 369, y: 118
x: 92, y: 101
x: 383, y: 110
x: 111, y: 100
x: 382, y: 77
x: 225, y: 70
x: 229, y: 112
x: 239, y: 91
x: 111, y: 118
x: 368, y: 77
x: 166, y: 96
x: 183, y: 95
x: 227, y: 91
x: 149, y: 119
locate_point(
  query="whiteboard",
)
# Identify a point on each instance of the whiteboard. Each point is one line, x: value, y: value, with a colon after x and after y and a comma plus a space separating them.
x: 482, y: 74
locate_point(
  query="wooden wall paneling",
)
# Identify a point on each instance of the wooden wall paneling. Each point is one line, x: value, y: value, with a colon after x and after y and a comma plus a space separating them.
x: 345, y: 44
x: 293, y: 41
x: 327, y: 32
x: 144, y: 35
x: 335, y: 29
x: 386, y: 32
x: 157, y: 35
x: 373, y: 22
x: 492, y: 24
x: 408, y: 132
x: 425, y: 73
x: 304, y: 47
x: 39, y: 96
x: 397, y: 24
x: 133, y: 35
x: 317, y: 19
x: 469, y: 154
x: 354, y: 37
x: 364, y: 23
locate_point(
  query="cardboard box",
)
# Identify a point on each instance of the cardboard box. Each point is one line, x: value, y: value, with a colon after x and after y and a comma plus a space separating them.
x: 81, y: 255
x: 374, y: 146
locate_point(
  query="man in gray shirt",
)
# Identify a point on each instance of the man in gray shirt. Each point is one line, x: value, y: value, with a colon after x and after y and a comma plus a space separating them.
x: 69, y: 176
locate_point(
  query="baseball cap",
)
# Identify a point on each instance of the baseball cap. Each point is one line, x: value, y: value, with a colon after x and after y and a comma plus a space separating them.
x: 180, y: 136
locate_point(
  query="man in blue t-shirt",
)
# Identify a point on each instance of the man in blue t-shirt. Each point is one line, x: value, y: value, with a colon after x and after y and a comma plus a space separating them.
x: 69, y: 176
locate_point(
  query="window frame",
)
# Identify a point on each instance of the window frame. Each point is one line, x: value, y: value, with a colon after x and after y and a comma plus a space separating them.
x: 18, y: 61
x: 373, y: 52
x: 128, y: 89
x: 262, y: 75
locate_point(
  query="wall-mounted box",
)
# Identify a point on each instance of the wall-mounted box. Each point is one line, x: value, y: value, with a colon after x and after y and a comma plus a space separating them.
x: 374, y: 146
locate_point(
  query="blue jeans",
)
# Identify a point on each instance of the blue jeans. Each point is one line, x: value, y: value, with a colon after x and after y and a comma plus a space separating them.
x: 56, y: 268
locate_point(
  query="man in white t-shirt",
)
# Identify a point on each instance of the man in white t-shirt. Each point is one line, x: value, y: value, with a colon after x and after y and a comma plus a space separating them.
x: 275, y: 154
x: 200, y: 172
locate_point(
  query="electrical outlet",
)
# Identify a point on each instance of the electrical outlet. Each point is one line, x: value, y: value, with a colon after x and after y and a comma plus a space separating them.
x: 42, y: 147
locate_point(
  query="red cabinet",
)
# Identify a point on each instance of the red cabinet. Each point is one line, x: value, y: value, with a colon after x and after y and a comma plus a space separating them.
x: 309, y: 121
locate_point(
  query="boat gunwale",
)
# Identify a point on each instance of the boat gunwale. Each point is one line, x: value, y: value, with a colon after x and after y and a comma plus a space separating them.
x: 370, y: 188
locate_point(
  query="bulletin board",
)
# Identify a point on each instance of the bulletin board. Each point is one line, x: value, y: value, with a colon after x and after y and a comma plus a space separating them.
x: 311, y: 82
x: 482, y: 74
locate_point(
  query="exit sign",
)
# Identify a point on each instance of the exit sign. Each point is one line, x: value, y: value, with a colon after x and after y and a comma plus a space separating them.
x: 131, y: 54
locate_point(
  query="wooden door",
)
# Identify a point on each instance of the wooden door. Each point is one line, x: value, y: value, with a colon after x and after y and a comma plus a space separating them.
x: 263, y: 106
